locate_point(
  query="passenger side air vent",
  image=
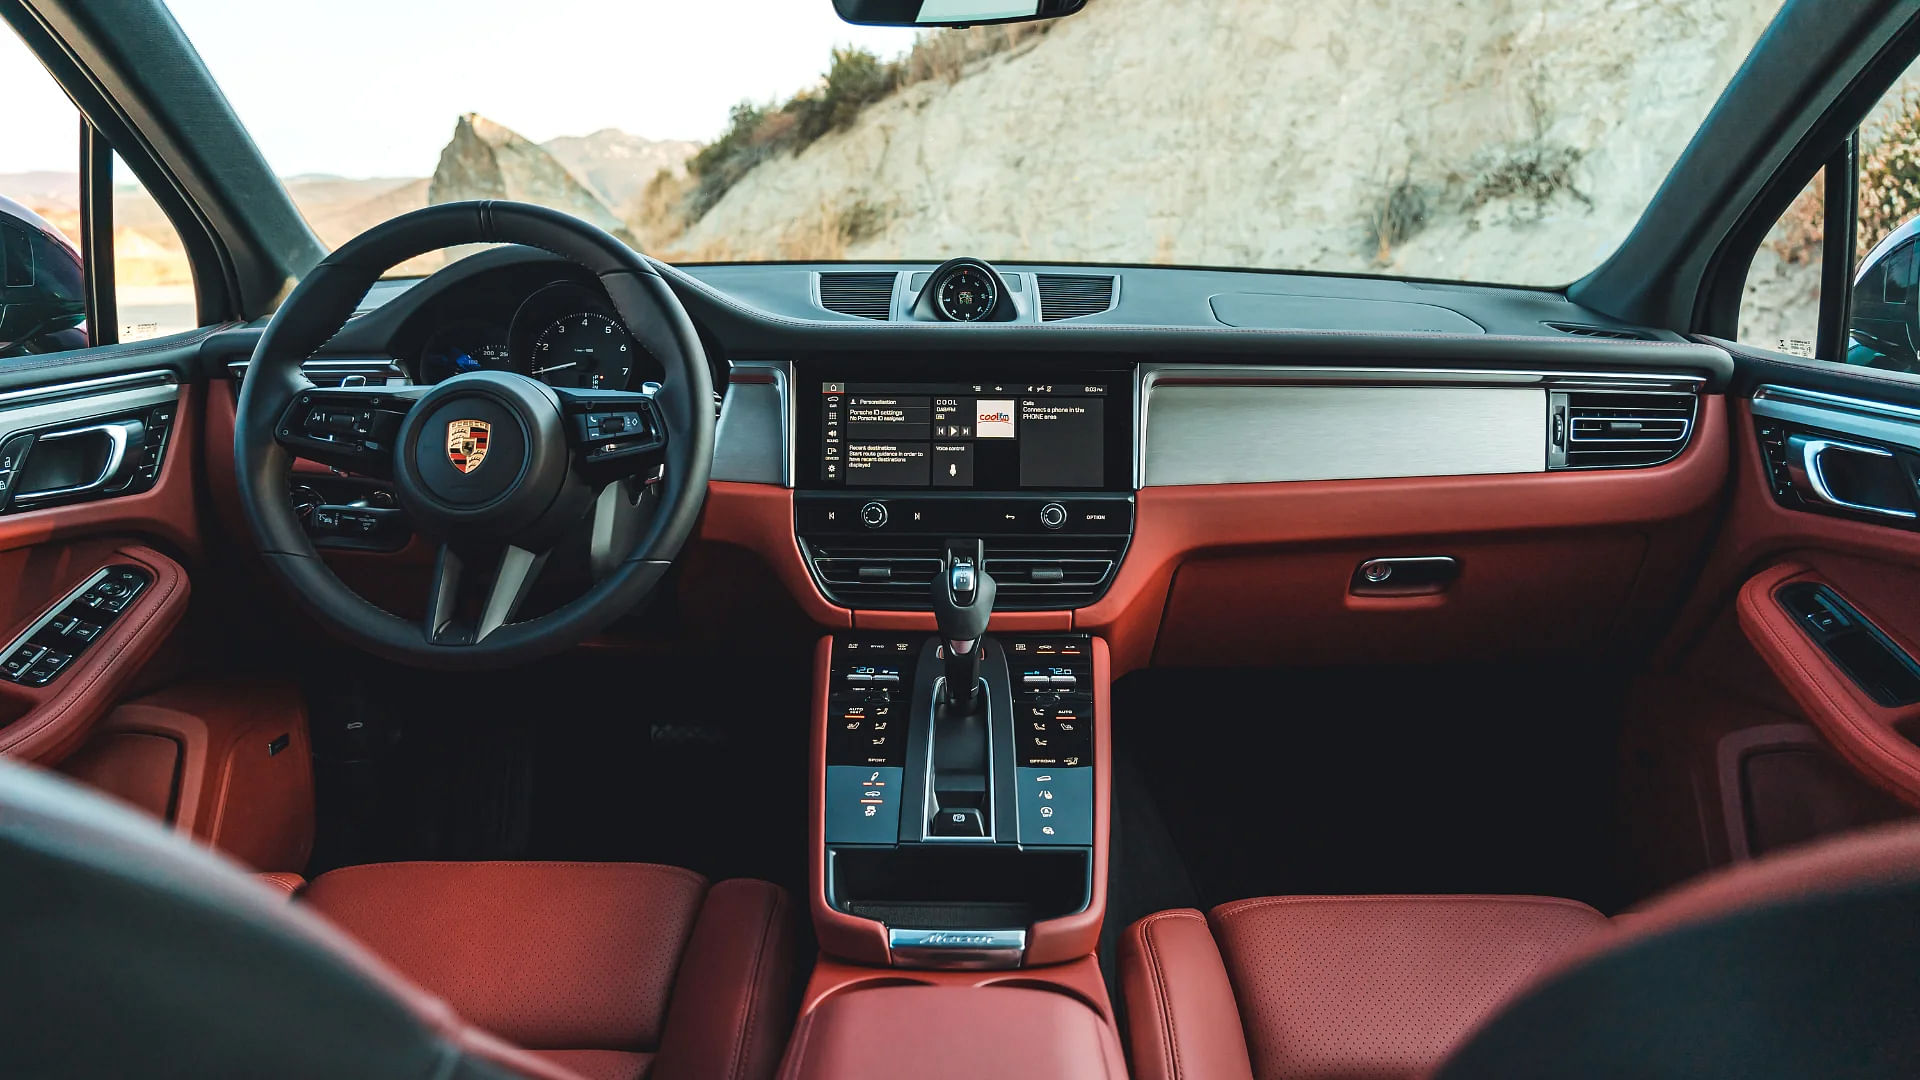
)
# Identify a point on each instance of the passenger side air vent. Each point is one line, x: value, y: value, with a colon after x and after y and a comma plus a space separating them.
x: 1612, y: 333
x: 1071, y: 296
x: 867, y: 295
x: 1050, y: 578
x: 899, y: 575
x: 1598, y: 429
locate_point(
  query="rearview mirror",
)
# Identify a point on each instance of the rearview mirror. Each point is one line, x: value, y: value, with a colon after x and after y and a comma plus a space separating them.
x: 951, y: 12
x: 43, y: 300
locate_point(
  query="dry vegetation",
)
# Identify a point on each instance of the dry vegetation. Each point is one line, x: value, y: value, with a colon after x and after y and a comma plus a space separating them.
x: 854, y: 80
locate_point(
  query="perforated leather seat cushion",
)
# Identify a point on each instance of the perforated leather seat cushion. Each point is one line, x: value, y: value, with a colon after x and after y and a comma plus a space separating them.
x: 613, y: 970
x: 1383, y: 986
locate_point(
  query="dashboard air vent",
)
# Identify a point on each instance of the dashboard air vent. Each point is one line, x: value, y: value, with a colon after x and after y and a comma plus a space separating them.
x: 1071, y: 296
x: 1612, y: 333
x: 1598, y: 429
x: 879, y: 575
x: 867, y: 295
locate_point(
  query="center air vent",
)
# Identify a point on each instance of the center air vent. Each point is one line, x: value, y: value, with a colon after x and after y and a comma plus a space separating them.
x: 1071, y: 296
x: 1597, y: 429
x: 867, y: 295
x: 899, y: 575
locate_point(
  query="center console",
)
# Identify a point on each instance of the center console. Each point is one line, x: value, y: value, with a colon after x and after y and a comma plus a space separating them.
x: 892, y: 467
x: 961, y: 838
x: 960, y: 778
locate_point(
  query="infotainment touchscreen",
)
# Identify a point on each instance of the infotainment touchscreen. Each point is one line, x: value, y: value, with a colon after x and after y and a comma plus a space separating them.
x: 986, y: 436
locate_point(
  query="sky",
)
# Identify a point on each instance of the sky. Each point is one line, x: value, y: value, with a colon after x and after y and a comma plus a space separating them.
x: 372, y: 87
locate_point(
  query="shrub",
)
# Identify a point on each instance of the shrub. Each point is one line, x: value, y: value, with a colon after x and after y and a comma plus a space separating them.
x: 1401, y: 212
x: 1889, y: 171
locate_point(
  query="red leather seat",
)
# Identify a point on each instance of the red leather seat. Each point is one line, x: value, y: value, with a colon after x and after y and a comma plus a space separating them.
x: 606, y: 969
x: 136, y: 952
x: 1332, y: 986
x: 1697, y: 982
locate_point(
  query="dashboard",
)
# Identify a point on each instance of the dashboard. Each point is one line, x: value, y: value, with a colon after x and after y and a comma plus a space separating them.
x: 1208, y: 466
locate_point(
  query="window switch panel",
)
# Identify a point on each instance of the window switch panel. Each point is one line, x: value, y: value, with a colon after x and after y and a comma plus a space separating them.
x: 58, y: 638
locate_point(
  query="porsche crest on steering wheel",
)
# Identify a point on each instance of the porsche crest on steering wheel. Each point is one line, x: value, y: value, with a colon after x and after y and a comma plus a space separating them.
x: 467, y: 443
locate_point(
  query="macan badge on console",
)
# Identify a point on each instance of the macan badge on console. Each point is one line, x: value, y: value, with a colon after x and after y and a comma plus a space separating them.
x: 467, y: 443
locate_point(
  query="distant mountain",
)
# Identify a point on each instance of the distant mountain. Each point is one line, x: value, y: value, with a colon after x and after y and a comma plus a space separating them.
x: 616, y: 165
x: 486, y: 160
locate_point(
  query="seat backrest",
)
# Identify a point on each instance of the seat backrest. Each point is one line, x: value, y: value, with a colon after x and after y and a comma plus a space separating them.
x: 1799, y: 965
x: 127, y: 951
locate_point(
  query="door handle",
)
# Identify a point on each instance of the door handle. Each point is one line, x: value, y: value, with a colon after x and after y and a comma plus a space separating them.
x: 1804, y: 468
x: 121, y: 436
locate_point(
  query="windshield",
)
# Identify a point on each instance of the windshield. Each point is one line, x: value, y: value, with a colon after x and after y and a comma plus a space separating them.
x: 1485, y: 140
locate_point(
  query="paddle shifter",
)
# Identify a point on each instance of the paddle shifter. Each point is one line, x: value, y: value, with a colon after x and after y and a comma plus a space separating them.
x: 962, y: 604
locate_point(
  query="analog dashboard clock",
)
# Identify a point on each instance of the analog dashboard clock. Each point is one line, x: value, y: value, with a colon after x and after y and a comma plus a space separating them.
x: 963, y: 290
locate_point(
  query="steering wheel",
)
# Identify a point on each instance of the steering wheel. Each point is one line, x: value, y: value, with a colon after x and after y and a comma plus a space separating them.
x: 495, y: 467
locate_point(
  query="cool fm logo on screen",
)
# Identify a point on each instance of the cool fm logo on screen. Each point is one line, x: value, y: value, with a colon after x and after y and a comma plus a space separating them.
x: 994, y: 420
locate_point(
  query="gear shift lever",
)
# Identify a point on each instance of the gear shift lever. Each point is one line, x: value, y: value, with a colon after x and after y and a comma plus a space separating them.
x: 962, y: 604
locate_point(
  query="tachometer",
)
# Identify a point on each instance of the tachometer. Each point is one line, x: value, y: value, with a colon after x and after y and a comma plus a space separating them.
x: 585, y: 350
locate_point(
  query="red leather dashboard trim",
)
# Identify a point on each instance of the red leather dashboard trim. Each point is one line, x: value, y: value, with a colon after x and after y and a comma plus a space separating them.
x: 759, y: 517
x: 1173, y: 523
x: 51, y: 722
x: 1864, y: 732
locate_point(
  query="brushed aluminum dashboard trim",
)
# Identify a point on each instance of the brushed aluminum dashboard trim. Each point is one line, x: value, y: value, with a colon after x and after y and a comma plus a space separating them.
x: 1223, y: 424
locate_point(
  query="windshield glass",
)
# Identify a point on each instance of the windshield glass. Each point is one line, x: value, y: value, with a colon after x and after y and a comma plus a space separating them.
x: 1485, y: 140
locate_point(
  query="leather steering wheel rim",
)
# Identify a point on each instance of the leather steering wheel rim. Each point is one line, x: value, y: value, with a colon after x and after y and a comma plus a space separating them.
x: 323, y: 302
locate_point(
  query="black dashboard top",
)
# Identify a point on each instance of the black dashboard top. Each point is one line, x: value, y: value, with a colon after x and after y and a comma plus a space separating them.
x: 773, y: 311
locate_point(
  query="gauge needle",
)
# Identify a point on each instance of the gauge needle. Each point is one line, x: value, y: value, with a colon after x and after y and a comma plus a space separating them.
x: 556, y: 367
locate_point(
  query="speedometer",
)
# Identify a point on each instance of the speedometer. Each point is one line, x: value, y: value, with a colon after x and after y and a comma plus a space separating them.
x: 462, y: 347
x: 586, y: 350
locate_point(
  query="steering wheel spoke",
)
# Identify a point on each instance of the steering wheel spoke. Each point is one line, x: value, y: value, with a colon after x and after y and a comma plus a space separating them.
x: 614, y: 434
x: 502, y: 575
x: 349, y: 428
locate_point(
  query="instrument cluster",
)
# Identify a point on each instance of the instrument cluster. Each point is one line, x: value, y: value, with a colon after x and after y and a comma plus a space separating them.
x: 564, y: 333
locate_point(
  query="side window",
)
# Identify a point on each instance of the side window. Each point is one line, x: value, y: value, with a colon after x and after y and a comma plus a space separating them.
x: 1781, y: 306
x: 45, y: 275
x: 1883, y: 319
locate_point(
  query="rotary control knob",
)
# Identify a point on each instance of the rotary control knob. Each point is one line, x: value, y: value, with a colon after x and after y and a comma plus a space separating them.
x: 1053, y: 515
x: 873, y: 515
